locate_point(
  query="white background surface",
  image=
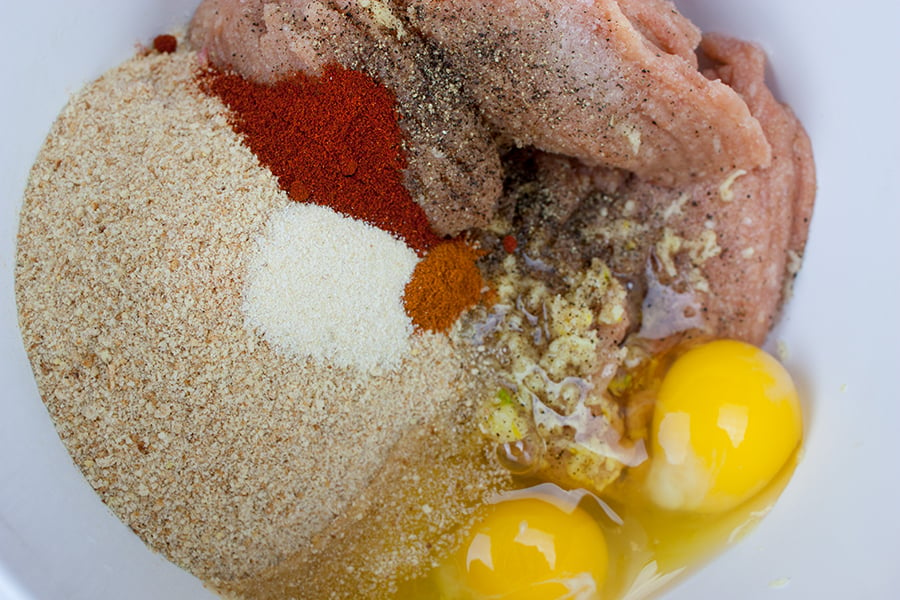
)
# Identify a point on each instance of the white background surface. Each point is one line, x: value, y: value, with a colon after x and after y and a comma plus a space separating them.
x: 835, y: 532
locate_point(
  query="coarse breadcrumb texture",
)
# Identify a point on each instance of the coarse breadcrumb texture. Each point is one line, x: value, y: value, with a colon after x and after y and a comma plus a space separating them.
x: 222, y: 454
x: 415, y: 513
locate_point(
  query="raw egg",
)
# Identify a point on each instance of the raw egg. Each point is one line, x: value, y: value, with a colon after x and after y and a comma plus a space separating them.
x: 532, y: 548
x: 727, y: 419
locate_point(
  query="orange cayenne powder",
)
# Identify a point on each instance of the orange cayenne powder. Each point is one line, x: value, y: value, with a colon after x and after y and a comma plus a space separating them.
x: 443, y: 284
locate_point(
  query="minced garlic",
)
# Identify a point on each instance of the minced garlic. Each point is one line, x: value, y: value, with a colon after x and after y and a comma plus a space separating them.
x: 549, y: 347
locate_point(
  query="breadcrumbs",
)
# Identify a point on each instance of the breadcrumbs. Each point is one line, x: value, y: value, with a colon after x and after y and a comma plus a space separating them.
x: 222, y: 454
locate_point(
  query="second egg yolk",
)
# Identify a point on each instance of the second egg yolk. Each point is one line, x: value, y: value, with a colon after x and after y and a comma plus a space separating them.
x: 534, y: 549
x: 727, y: 419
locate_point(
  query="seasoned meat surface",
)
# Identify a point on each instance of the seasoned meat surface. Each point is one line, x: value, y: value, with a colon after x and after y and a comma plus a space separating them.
x: 663, y: 26
x: 725, y: 250
x: 761, y: 216
x: 454, y: 165
x: 579, y: 78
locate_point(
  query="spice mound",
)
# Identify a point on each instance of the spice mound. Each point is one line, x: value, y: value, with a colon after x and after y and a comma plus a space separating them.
x: 325, y: 286
x: 332, y: 140
x: 444, y: 284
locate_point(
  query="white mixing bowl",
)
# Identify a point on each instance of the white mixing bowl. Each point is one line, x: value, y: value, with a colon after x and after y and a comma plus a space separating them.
x: 835, y: 531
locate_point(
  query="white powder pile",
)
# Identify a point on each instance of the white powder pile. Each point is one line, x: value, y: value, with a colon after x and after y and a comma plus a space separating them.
x: 329, y: 287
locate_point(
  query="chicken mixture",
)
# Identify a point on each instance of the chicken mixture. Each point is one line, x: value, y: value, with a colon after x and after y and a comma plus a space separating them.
x: 629, y: 185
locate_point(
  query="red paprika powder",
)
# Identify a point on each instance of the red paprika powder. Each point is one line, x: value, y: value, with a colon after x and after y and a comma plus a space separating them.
x: 332, y: 140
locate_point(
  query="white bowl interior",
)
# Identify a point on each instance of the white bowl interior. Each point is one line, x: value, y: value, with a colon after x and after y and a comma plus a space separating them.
x: 833, y: 534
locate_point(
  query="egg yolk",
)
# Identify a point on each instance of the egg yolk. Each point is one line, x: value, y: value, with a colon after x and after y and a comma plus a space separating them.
x: 727, y: 419
x: 534, y: 549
